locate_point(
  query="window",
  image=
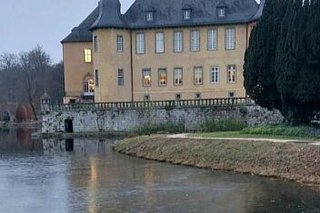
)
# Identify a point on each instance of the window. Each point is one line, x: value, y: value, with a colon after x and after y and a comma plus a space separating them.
x: 120, y: 77
x: 177, y: 76
x: 232, y: 73
x: 187, y: 14
x: 146, y: 77
x: 149, y: 16
x: 119, y: 43
x: 140, y: 45
x: 212, y: 39
x: 231, y: 95
x: 177, y: 41
x: 215, y: 74
x: 230, y: 39
x: 96, y: 76
x: 198, y: 96
x: 198, y: 74
x: 88, y: 85
x: 159, y: 42
x: 178, y: 97
x: 162, y: 73
x: 87, y: 55
x: 221, y: 11
x: 195, y: 41
x: 95, y: 44
x: 146, y: 98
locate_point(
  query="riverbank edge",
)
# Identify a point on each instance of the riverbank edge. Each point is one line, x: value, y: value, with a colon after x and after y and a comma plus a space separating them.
x: 294, y: 162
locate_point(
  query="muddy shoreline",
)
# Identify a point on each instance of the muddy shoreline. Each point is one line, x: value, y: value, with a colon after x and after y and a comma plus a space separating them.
x: 294, y: 162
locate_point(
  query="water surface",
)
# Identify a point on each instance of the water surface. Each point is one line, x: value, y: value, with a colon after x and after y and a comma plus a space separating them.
x: 84, y: 175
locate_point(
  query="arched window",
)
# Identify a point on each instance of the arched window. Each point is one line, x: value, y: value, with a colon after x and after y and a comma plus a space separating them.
x: 88, y: 85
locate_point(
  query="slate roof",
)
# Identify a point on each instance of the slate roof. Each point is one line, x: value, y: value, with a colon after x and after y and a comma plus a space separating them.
x: 109, y: 15
x: 204, y: 12
x: 167, y: 13
x: 82, y: 32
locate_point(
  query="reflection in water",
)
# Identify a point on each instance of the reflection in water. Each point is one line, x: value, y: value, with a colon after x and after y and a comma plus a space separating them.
x: 94, y: 179
x: 69, y: 145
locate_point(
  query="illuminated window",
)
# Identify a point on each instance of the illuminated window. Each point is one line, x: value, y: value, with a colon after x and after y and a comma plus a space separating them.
x: 87, y: 55
x: 159, y: 42
x: 177, y: 76
x: 215, y: 72
x: 163, y: 78
x: 119, y: 43
x: 232, y: 74
x: 230, y: 41
x: 120, y: 77
x: 88, y: 85
x: 198, y: 76
x: 146, y: 77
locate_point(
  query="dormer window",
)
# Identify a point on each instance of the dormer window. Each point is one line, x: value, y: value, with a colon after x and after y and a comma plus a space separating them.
x: 221, y: 11
x: 187, y: 14
x: 149, y: 16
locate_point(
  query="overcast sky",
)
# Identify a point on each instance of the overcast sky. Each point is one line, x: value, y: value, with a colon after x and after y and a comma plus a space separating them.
x: 26, y: 23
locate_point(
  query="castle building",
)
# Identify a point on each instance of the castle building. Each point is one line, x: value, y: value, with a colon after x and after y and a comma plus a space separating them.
x: 159, y: 50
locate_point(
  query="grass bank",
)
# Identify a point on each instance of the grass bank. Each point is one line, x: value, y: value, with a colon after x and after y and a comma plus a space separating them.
x: 297, y: 162
x: 277, y: 131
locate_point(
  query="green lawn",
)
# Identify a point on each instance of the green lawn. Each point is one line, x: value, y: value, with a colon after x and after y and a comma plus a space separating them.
x: 276, y: 132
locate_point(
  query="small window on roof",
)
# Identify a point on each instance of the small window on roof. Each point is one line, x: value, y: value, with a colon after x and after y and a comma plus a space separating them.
x: 221, y: 11
x: 187, y: 14
x: 149, y: 16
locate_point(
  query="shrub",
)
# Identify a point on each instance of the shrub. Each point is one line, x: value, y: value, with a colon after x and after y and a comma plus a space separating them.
x: 169, y: 127
x: 282, y: 130
x: 222, y: 125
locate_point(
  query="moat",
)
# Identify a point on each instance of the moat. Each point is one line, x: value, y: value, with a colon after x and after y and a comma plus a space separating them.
x: 85, y: 175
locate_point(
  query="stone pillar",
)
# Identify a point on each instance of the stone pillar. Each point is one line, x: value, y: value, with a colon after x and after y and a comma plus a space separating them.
x: 45, y: 102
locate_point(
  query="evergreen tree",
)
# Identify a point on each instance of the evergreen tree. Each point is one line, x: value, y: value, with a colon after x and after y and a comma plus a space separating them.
x: 291, y: 63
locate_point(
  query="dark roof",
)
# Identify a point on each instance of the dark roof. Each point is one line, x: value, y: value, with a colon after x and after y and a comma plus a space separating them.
x: 109, y: 15
x: 204, y: 12
x: 82, y: 32
x: 168, y: 13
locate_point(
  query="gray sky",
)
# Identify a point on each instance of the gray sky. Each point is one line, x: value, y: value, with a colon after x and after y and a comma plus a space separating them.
x: 26, y: 23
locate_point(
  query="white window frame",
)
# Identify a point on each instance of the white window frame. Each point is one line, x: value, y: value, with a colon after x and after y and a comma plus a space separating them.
x: 212, y: 39
x: 119, y: 43
x: 149, y: 16
x: 159, y: 42
x: 198, y: 75
x: 230, y: 38
x: 120, y: 77
x: 231, y: 74
x: 187, y: 14
x: 140, y: 43
x: 178, y: 76
x: 178, y: 41
x: 221, y: 12
x: 195, y: 40
x: 215, y: 74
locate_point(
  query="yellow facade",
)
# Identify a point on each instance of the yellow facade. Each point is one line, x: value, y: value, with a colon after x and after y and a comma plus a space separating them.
x: 107, y: 61
x: 76, y: 70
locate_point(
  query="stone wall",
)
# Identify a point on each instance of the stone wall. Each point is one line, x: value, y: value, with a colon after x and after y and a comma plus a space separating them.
x: 128, y: 119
